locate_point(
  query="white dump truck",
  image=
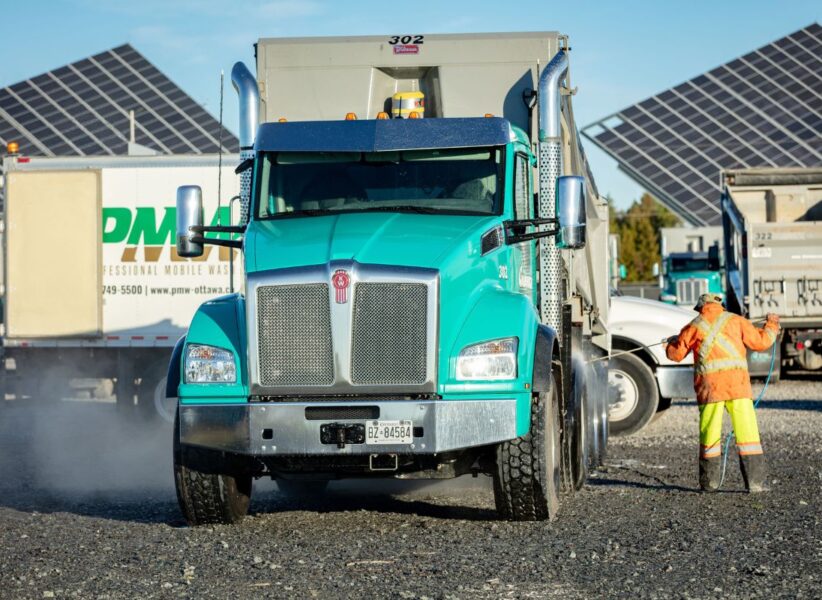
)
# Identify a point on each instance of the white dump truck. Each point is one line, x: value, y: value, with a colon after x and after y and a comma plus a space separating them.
x: 93, y: 289
x: 772, y: 221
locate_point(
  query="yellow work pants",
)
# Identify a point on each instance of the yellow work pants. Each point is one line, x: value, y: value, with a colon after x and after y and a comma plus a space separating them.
x: 743, y: 419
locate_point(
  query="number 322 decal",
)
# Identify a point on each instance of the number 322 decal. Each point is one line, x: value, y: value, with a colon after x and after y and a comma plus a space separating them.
x: 406, y: 39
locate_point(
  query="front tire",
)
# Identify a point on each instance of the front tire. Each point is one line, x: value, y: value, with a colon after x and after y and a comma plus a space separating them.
x: 208, y: 498
x: 632, y: 394
x: 527, y: 474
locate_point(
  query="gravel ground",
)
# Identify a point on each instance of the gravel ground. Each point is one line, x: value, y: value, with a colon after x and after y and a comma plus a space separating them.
x: 87, y: 510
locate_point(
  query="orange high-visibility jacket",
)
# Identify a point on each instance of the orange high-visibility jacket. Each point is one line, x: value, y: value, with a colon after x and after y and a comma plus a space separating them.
x: 718, y: 340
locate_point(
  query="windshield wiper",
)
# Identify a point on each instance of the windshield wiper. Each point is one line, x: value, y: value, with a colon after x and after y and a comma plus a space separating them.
x: 425, y: 210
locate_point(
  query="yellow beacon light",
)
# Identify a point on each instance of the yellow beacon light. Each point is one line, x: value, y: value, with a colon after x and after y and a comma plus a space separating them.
x: 350, y: 116
x: 12, y: 147
x: 406, y: 104
x: 382, y: 115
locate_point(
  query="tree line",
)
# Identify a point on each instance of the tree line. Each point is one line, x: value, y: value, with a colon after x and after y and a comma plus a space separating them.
x: 639, y: 237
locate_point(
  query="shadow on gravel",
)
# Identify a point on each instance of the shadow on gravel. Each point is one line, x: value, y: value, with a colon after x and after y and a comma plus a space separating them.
x: 334, y: 503
x: 603, y: 482
x: 813, y: 405
x: 145, y: 510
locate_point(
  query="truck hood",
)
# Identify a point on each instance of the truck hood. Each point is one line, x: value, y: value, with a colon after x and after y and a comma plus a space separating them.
x: 647, y: 322
x: 402, y: 239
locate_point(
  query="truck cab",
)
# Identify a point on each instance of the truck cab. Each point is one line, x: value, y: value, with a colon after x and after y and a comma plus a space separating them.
x: 687, y: 275
x: 392, y: 321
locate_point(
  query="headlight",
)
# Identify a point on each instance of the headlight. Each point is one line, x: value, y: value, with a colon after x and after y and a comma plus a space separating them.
x: 207, y: 364
x: 667, y: 298
x: 496, y: 359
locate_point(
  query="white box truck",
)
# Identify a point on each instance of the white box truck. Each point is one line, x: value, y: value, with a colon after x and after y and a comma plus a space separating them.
x: 93, y: 288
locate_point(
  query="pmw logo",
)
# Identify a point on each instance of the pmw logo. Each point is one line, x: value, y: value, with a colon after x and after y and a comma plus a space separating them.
x: 153, y: 230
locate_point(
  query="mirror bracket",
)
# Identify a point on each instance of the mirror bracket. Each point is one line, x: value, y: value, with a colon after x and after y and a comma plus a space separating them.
x: 199, y: 239
x: 514, y: 237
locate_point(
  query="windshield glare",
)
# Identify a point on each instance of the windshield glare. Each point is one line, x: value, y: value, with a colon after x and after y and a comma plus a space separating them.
x: 465, y: 181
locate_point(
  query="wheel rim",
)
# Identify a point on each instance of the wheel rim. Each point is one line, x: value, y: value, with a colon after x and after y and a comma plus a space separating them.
x: 165, y: 407
x: 623, y: 395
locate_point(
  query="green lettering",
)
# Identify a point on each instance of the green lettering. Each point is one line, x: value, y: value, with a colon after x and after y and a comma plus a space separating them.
x: 145, y: 227
x: 116, y: 223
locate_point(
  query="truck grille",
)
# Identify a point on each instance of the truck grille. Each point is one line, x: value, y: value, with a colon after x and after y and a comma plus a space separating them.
x: 294, y: 328
x: 381, y: 334
x: 688, y: 291
x: 388, y: 345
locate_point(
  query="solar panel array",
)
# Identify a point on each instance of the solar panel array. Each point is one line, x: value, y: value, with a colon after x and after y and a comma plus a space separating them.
x: 82, y: 109
x: 762, y: 109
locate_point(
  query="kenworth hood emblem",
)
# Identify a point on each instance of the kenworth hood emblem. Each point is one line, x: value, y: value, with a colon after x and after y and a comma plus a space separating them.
x: 341, y: 280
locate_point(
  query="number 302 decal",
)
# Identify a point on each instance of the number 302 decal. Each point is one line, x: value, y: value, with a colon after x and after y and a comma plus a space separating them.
x: 406, y: 39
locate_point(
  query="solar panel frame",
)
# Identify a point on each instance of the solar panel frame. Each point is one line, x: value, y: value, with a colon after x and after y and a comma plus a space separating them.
x: 761, y: 109
x: 83, y: 109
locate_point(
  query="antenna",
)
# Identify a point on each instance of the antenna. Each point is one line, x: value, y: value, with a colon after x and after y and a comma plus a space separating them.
x: 220, y: 163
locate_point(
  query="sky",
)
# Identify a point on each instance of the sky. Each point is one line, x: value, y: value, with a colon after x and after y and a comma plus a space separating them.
x: 621, y: 51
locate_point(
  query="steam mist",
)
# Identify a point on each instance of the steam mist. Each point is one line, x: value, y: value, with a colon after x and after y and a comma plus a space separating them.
x: 75, y: 449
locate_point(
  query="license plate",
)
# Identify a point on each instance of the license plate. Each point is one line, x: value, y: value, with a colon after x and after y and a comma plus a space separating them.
x: 389, y: 432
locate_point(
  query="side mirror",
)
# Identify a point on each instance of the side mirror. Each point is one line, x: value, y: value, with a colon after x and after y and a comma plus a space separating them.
x: 570, y: 211
x: 655, y: 270
x: 189, y: 214
x: 623, y: 272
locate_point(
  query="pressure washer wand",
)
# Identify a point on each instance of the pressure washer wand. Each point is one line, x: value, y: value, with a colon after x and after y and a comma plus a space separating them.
x: 644, y: 347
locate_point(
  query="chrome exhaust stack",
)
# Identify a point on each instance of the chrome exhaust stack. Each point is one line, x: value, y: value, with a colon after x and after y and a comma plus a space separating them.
x: 249, y: 95
x: 550, y: 168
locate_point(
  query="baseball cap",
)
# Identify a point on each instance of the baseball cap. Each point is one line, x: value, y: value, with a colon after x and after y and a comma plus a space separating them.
x: 707, y: 298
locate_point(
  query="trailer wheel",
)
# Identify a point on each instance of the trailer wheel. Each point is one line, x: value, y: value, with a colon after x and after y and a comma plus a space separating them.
x: 527, y: 473
x: 151, y: 394
x: 206, y: 498
x: 632, y: 394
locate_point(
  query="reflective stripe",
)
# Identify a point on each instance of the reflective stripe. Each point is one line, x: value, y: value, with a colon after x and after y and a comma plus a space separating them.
x: 748, y: 449
x: 708, y: 343
x: 728, y: 347
x: 721, y: 364
x: 771, y: 334
x: 710, y: 451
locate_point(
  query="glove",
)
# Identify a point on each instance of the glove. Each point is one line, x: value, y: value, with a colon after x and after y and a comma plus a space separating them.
x: 773, y: 318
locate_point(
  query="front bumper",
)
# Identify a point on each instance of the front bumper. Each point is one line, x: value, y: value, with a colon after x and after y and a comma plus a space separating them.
x: 282, y: 429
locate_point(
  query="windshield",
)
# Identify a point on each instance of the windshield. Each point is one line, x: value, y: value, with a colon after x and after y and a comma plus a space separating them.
x: 466, y: 182
x: 690, y: 264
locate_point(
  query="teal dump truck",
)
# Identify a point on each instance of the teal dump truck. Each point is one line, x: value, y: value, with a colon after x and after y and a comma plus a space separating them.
x: 687, y: 275
x: 425, y: 278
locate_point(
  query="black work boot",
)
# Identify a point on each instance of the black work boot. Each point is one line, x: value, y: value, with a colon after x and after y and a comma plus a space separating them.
x: 709, y: 473
x: 754, y: 472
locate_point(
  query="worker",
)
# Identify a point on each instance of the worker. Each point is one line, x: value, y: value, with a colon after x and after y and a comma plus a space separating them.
x: 718, y: 340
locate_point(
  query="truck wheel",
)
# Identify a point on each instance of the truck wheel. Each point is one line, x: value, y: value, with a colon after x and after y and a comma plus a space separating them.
x: 602, y: 428
x: 526, y: 478
x: 632, y: 394
x: 580, y: 443
x: 207, y: 497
